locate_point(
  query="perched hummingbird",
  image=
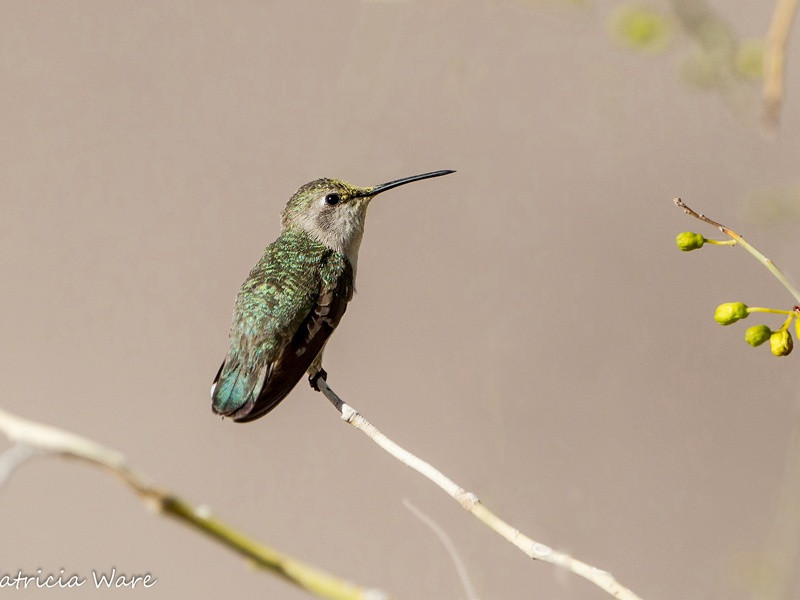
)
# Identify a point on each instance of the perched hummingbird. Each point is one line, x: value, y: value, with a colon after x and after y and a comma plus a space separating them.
x: 295, y: 297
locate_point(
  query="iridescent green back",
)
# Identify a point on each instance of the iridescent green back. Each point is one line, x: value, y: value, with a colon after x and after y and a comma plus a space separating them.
x: 280, y: 293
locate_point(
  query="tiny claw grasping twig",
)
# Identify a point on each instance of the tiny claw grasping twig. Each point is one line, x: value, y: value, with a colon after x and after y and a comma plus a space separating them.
x: 313, y: 380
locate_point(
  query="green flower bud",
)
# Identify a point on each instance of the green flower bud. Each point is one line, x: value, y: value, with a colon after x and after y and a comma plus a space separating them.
x: 730, y: 312
x: 781, y: 343
x: 688, y: 240
x: 757, y: 335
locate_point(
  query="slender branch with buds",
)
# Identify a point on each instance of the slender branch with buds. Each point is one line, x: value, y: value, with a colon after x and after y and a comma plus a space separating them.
x: 768, y: 264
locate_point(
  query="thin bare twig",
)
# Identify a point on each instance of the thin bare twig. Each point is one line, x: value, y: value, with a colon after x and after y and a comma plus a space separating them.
x: 768, y: 264
x: 471, y: 503
x: 449, y: 546
x: 775, y: 59
x: 31, y: 438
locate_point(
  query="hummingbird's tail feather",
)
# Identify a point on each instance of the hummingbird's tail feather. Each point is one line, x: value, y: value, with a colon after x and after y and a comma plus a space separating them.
x: 236, y: 387
x: 240, y: 390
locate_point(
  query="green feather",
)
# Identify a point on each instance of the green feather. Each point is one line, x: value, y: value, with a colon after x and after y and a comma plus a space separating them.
x: 277, y: 296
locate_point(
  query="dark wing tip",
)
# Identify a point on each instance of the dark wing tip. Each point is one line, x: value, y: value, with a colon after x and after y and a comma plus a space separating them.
x: 254, y: 409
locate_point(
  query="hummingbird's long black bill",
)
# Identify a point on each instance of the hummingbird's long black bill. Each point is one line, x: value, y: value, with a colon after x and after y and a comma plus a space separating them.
x: 397, y: 182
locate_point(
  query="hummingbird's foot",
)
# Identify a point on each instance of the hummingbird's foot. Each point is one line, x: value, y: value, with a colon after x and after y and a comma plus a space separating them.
x: 313, y: 380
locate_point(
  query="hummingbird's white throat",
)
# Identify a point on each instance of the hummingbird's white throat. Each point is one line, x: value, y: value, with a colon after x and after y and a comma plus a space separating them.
x: 340, y: 228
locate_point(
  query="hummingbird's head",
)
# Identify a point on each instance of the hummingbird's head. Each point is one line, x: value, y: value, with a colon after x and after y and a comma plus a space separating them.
x: 333, y: 211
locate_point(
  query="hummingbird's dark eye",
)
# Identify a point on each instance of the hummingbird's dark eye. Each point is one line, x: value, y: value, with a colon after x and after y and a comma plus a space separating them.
x: 332, y: 199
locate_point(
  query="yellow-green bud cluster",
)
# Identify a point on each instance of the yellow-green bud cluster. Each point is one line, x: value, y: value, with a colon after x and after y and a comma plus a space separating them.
x: 780, y: 341
x: 689, y: 240
x: 730, y: 312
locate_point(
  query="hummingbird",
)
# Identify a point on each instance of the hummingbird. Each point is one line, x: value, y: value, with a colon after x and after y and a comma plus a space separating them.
x: 295, y: 296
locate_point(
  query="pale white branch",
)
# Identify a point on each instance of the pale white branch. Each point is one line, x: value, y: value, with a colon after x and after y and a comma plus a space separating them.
x: 470, y: 502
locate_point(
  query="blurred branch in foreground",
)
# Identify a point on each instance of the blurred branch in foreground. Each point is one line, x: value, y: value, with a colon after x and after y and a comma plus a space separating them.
x: 35, y: 439
x: 471, y: 503
x: 775, y: 59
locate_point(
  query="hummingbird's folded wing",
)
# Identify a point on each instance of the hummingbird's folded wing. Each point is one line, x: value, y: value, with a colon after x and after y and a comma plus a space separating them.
x: 284, y: 331
x: 284, y: 373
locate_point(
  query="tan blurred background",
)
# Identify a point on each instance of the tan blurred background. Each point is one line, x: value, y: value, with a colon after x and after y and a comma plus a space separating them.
x: 527, y: 324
